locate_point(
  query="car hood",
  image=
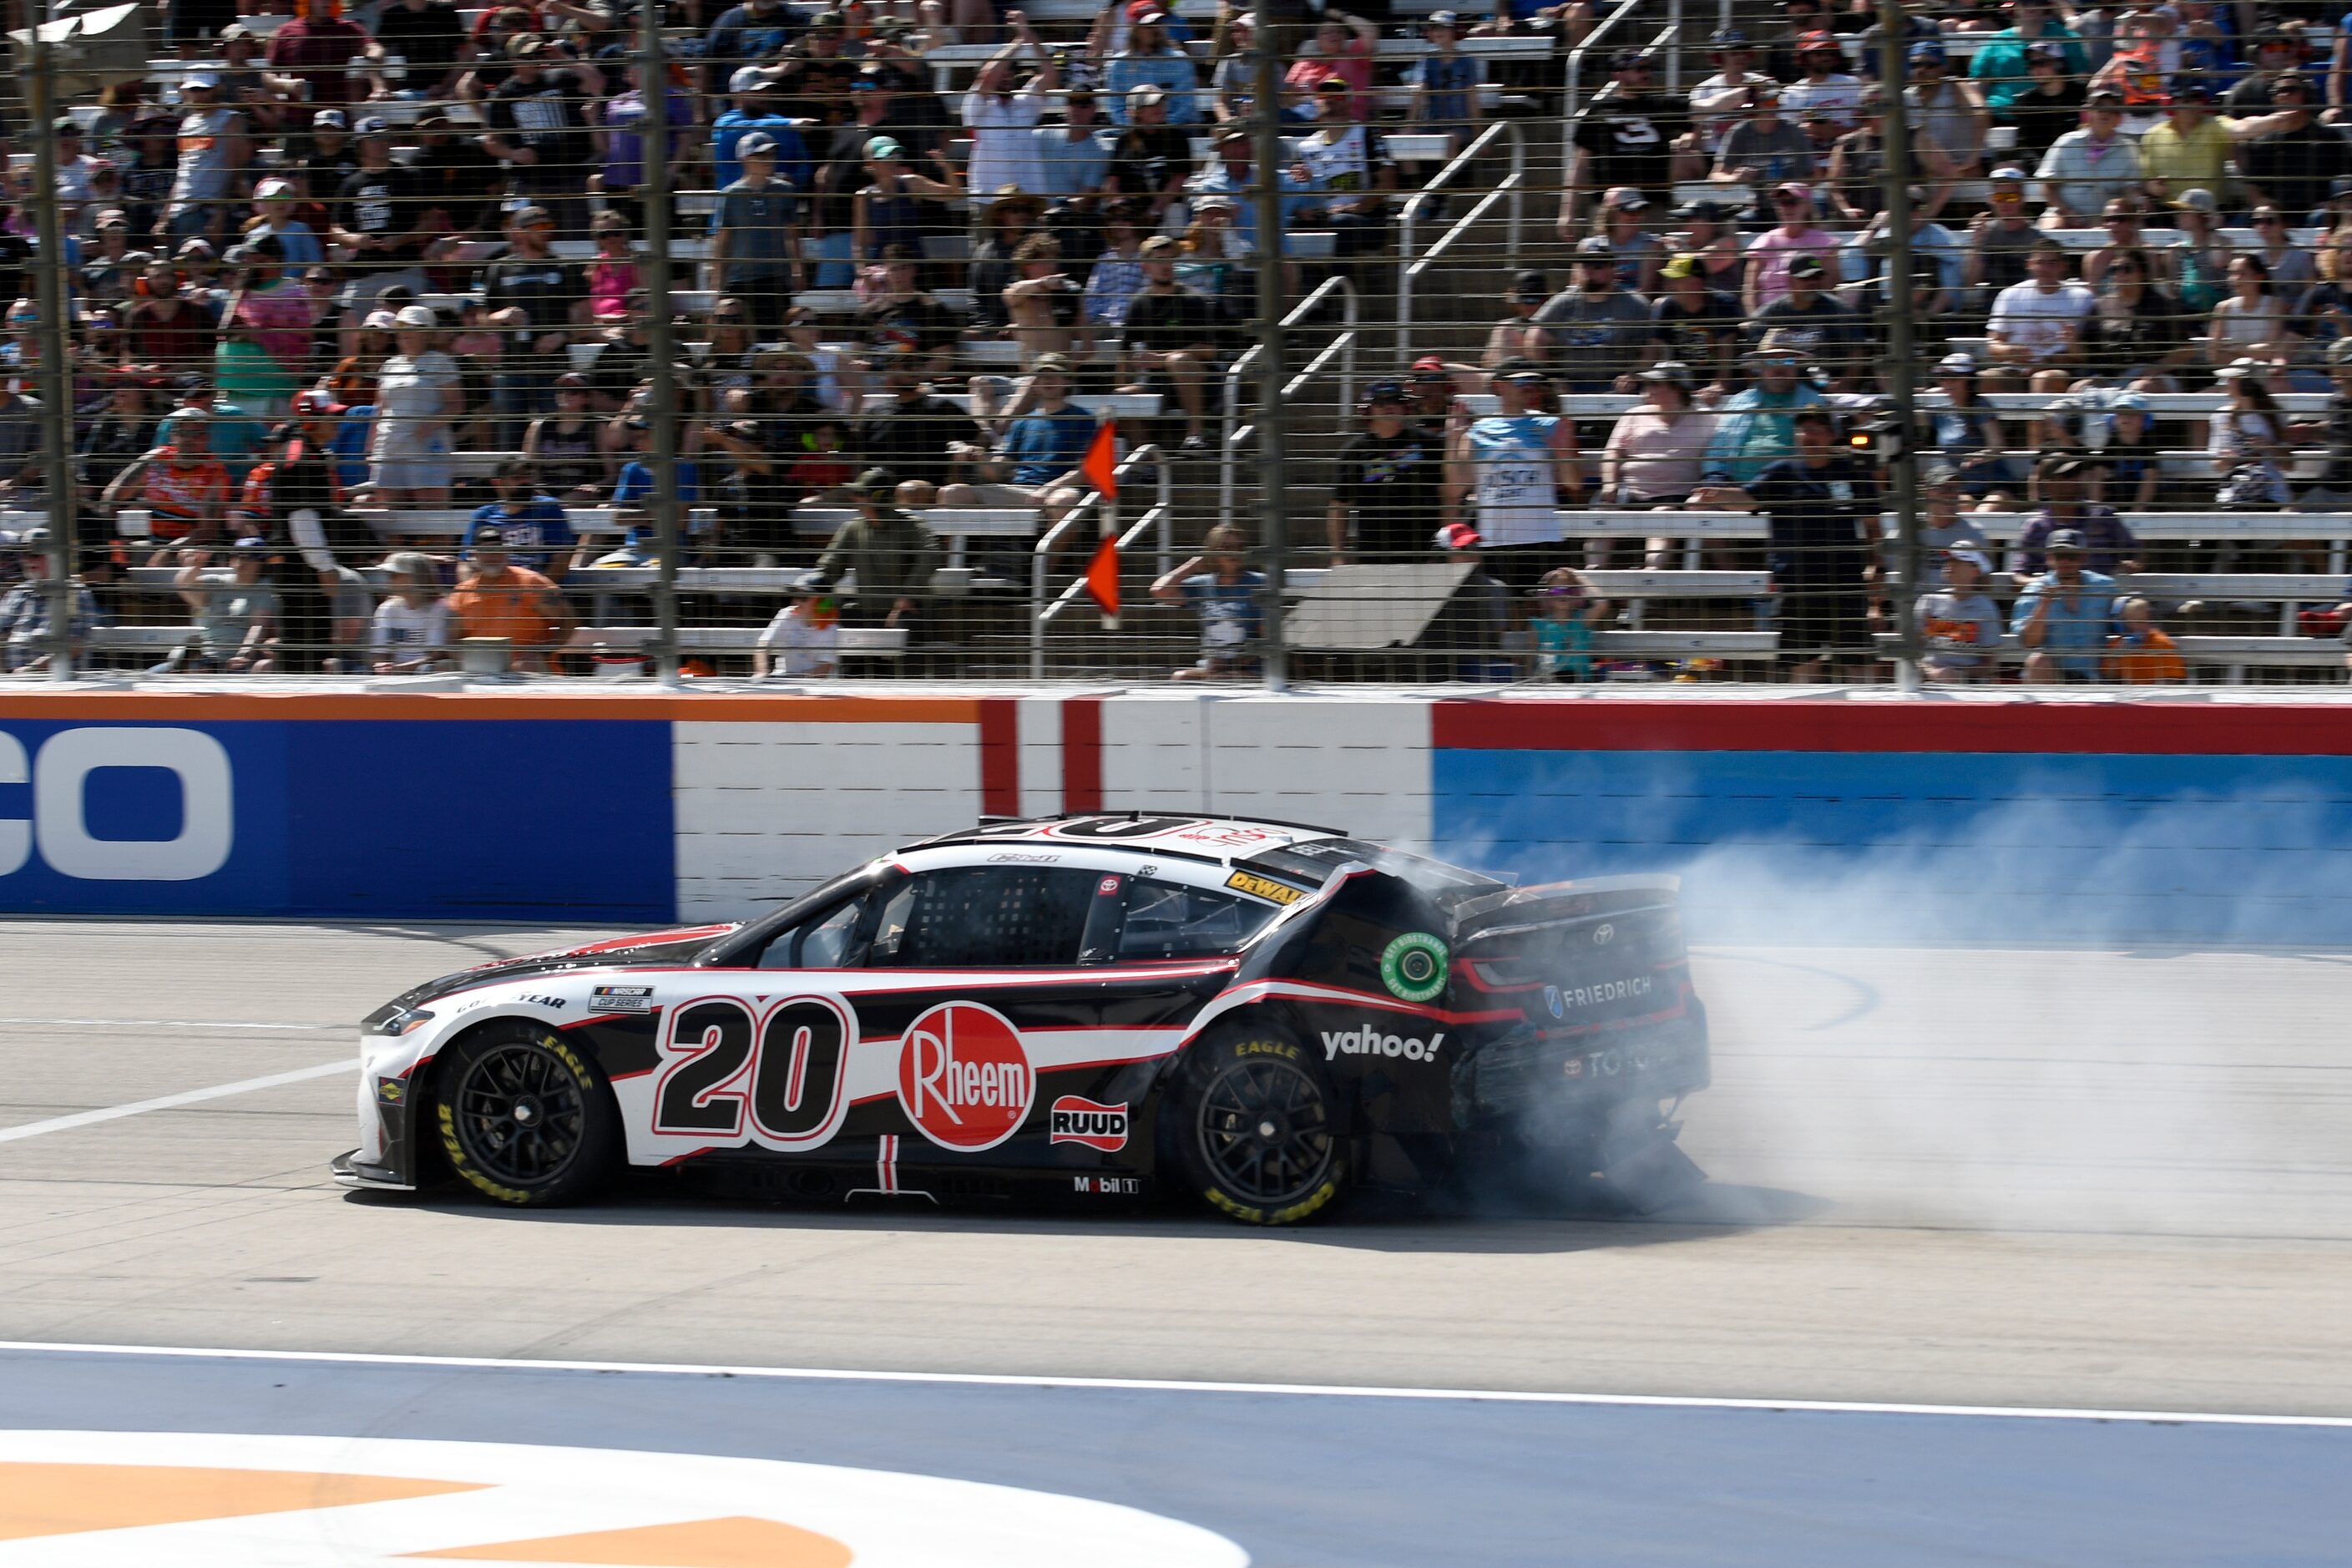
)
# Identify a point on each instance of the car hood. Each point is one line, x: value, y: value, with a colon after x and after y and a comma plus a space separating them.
x: 680, y: 945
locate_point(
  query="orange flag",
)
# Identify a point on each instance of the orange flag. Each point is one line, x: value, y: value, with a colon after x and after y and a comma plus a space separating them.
x: 1102, y: 577
x: 1101, y: 464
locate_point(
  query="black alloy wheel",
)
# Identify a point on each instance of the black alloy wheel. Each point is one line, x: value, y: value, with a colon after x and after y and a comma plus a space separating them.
x: 1257, y: 1130
x: 524, y: 1118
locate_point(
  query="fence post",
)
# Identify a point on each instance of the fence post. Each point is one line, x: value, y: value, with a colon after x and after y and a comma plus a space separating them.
x: 1266, y: 149
x: 1902, y: 390
x: 653, y: 86
x: 56, y: 379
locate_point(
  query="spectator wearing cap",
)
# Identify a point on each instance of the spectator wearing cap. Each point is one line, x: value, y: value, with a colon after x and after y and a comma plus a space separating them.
x: 887, y: 214
x: 1695, y: 325
x: 537, y: 120
x: 497, y: 598
x: 1593, y: 332
x: 1508, y: 338
x: 1171, y: 340
x: 894, y: 556
x: 409, y: 633
x: 2001, y: 237
x: 1002, y: 114
x: 1757, y: 425
x: 2294, y: 160
x: 1149, y: 159
x: 1948, y: 111
x: 1937, y: 267
x: 1825, y: 83
x: 1943, y: 526
x: 1999, y: 64
x: 1388, y: 501
x: 2271, y: 54
x: 813, y: 73
x: 1657, y: 449
x: 417, y: 401
x: 1446, y: 84
x: 2084, y: 169
x: 756, y: 114
x: 1967, y: 430
x: 1820, y: 328
x: 755, y: 235
x: 1823, y: 505
x: 295, y: 502
x: 535, y: 299
x: 912, y: 432
x: 2064, y: 615
x: 2035, y: 329
x: 374, y: 222
x: 1431, y: 385
x: 164, y: 329
x: 264, y: 353
x: 273, y: 205
x: 2050, y: 105
x: 1350, y: 161
x: 1626, y: 138
x: 808, y: 632
x: 1624, y: 222
x: 530, y: 524
x: 236, y: 612
x: 1343, y: 45
x: 1765, y: 150
x: 900, y: 315
x: 29, y: 609
x: 2130, y: 463
x: 2126, y: 223
x: 1233, y: 78
x: 1709, y: 232
x: 2248, y: 443
x: 2187, y: 151
x: 1234, y: 177
x: 2064, y: 481
x: 1959, y: 625
x: 428, y: 37
x: 563, y: 449
x: 1520, y: 466
x: 215, y: 150
x: 1724, y: 99
x: 1793, y: 235
x: 1036, y: 464
x: 1227, y: 596
x: 331, y: 158
x: 317, y: 49
x: 1150, y: 59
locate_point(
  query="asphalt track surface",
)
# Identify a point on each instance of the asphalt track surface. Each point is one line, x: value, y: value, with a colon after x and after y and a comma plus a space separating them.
x: 1956, y: 1177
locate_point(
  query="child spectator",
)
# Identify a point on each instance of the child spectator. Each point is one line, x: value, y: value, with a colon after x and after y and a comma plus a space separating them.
x: 236, y: 612
x: 1225, y: 592
x: 2140, y: 654
x: 808, y: 630
x: 1445, y: 84
x: 822, y: 469
x: 1959, y: 624
x: 1565, y: 613
x: 410, y: 633
x: 612, y: 275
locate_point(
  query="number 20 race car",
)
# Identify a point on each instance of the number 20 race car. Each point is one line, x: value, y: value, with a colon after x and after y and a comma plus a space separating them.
x: 1257, y: 1014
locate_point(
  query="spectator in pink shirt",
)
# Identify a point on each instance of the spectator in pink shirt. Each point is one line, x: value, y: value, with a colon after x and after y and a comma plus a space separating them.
x: 1769, y: 257
x: 1343, y: 47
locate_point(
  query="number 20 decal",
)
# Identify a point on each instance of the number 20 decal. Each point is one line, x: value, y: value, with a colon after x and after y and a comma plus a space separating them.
x: 796, y: 1059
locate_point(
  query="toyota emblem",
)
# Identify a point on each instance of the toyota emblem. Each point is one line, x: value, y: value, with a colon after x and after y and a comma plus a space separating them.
x: 1603, y: 935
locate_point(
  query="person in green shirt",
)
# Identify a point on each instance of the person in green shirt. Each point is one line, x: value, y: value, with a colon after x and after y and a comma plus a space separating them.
x: 2000, y: 63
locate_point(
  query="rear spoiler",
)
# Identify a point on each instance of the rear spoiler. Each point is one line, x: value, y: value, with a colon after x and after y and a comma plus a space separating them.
x: 1499, y: 917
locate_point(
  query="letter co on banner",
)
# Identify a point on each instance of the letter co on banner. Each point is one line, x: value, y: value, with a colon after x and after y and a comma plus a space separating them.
x: 60, y: 770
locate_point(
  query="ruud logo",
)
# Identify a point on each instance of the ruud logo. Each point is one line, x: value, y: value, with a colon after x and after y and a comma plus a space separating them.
x: 59, y: 825
x: 1090, y: 1122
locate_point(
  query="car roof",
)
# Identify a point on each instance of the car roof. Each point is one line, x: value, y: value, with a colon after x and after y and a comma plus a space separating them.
x: 1202, y: 837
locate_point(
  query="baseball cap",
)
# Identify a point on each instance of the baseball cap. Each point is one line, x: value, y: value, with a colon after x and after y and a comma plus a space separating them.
x: 1630, y: 59
x: 1973, y: 557
x: 2197, y: 201
x: 1956, y: 365
x: 882, y: 147
x: 1145, y: 96
x: 530, y: 217
x: 748, y: 79
x: 1709, y: 211
x: 1797, y: 188
x: 1808, y: 42
x: 317, y: 404
x: 332, y: 118
x: 1442, y: 19
x: 1523, y: 372
x: 1594, y: 246
x: 1058, y: 364
x: 1928, y: 50
x: 380, y: 321
x: 1628, y: 199
x: 200, y: 79
x: 1385, y: 392
x: 1429, y: 367
x: 1939, y: 472
x: 33, y: 538
x: 1685, y: 264
x: 874, y: 482
x: 1726, y: 38
x: 1530, y: 286
x: 2236, y: 370
x: 418, y: 318
x: 373, y: 125
x: 2009, y: 174
x: 2066, y: 541
x: 251, y: 545
x: 268, y: 188
x: 757, y: 144
x: 1158, y: 245
x: 1805, y: 265
x: 490, y: 536
x: 2128, y: 402
x: 1774, y: 344
x: 1457, y: 536
x: 1668, y: 370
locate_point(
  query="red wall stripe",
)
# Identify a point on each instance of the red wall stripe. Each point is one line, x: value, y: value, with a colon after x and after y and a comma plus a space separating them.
x: 1082, y: 761
x: 1000, y: 757
x: 2159, y: 728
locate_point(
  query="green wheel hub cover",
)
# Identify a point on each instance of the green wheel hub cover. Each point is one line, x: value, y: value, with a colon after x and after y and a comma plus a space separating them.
x: 1413, y: 966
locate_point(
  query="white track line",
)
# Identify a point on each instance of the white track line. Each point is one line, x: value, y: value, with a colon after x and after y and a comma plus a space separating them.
x: 1159, y: 1386
x: 171, y: 1101
x: 175, y: 1023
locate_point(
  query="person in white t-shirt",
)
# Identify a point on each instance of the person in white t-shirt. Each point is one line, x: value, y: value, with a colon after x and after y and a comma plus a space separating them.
x: 1003, y: 151
x: 810, y: 635
x: 410, y: 634
x: 2036, y: 326
x: 1826, y: 84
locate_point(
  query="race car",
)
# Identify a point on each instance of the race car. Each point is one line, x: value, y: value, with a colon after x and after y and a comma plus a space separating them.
x: 1263, y: 1015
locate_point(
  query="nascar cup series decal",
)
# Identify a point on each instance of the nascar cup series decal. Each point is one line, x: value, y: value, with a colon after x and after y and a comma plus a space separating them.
x: 203, y: 1499
x: 964, y: 1079
x: 1413, y: 966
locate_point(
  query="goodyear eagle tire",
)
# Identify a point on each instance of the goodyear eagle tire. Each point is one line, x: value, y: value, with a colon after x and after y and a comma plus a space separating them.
x: 1253, y: 1126
x: 524, y: 1117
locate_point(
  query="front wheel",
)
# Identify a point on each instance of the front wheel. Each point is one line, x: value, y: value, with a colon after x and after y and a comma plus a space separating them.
x: 524, y: 1118
x: 1253, y: 1125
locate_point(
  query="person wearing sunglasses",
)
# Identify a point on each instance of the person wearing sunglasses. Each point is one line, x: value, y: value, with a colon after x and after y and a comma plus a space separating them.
x: 2294, y: 160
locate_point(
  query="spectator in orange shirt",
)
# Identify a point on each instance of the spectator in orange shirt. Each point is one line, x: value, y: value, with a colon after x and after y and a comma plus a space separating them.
x: 503, y: 600
x: 185, y: 487
x: 2142, y: 655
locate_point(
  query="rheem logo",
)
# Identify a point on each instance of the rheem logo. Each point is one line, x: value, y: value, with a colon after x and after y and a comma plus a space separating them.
x: 59, y: 825
x: 964, y: 1079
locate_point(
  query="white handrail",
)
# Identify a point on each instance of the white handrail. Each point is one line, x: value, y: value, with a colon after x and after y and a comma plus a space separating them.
x: 1240, y: 366
x: 1041, y: 555
x: 1514, y: 182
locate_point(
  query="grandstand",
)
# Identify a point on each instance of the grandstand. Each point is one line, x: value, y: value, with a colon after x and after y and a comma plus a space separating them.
x: 1586, y: 357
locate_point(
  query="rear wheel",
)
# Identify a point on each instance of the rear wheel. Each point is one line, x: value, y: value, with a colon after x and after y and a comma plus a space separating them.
x: 1253, y: 1126
x: 524, y: 1118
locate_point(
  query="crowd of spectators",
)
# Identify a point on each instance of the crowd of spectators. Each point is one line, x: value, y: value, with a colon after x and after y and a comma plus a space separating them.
x: 361, y: 316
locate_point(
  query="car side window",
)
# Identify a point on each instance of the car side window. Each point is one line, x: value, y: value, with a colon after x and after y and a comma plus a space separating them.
x: 821, y: 942
x: 984, y: 917
x: 1168, y: 920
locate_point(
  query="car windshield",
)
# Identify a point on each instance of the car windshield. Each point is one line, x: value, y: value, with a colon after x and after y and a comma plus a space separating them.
x: 1316, y: 858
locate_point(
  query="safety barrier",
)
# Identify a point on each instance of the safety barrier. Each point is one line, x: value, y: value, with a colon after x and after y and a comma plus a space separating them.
x: 2065, y: 820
